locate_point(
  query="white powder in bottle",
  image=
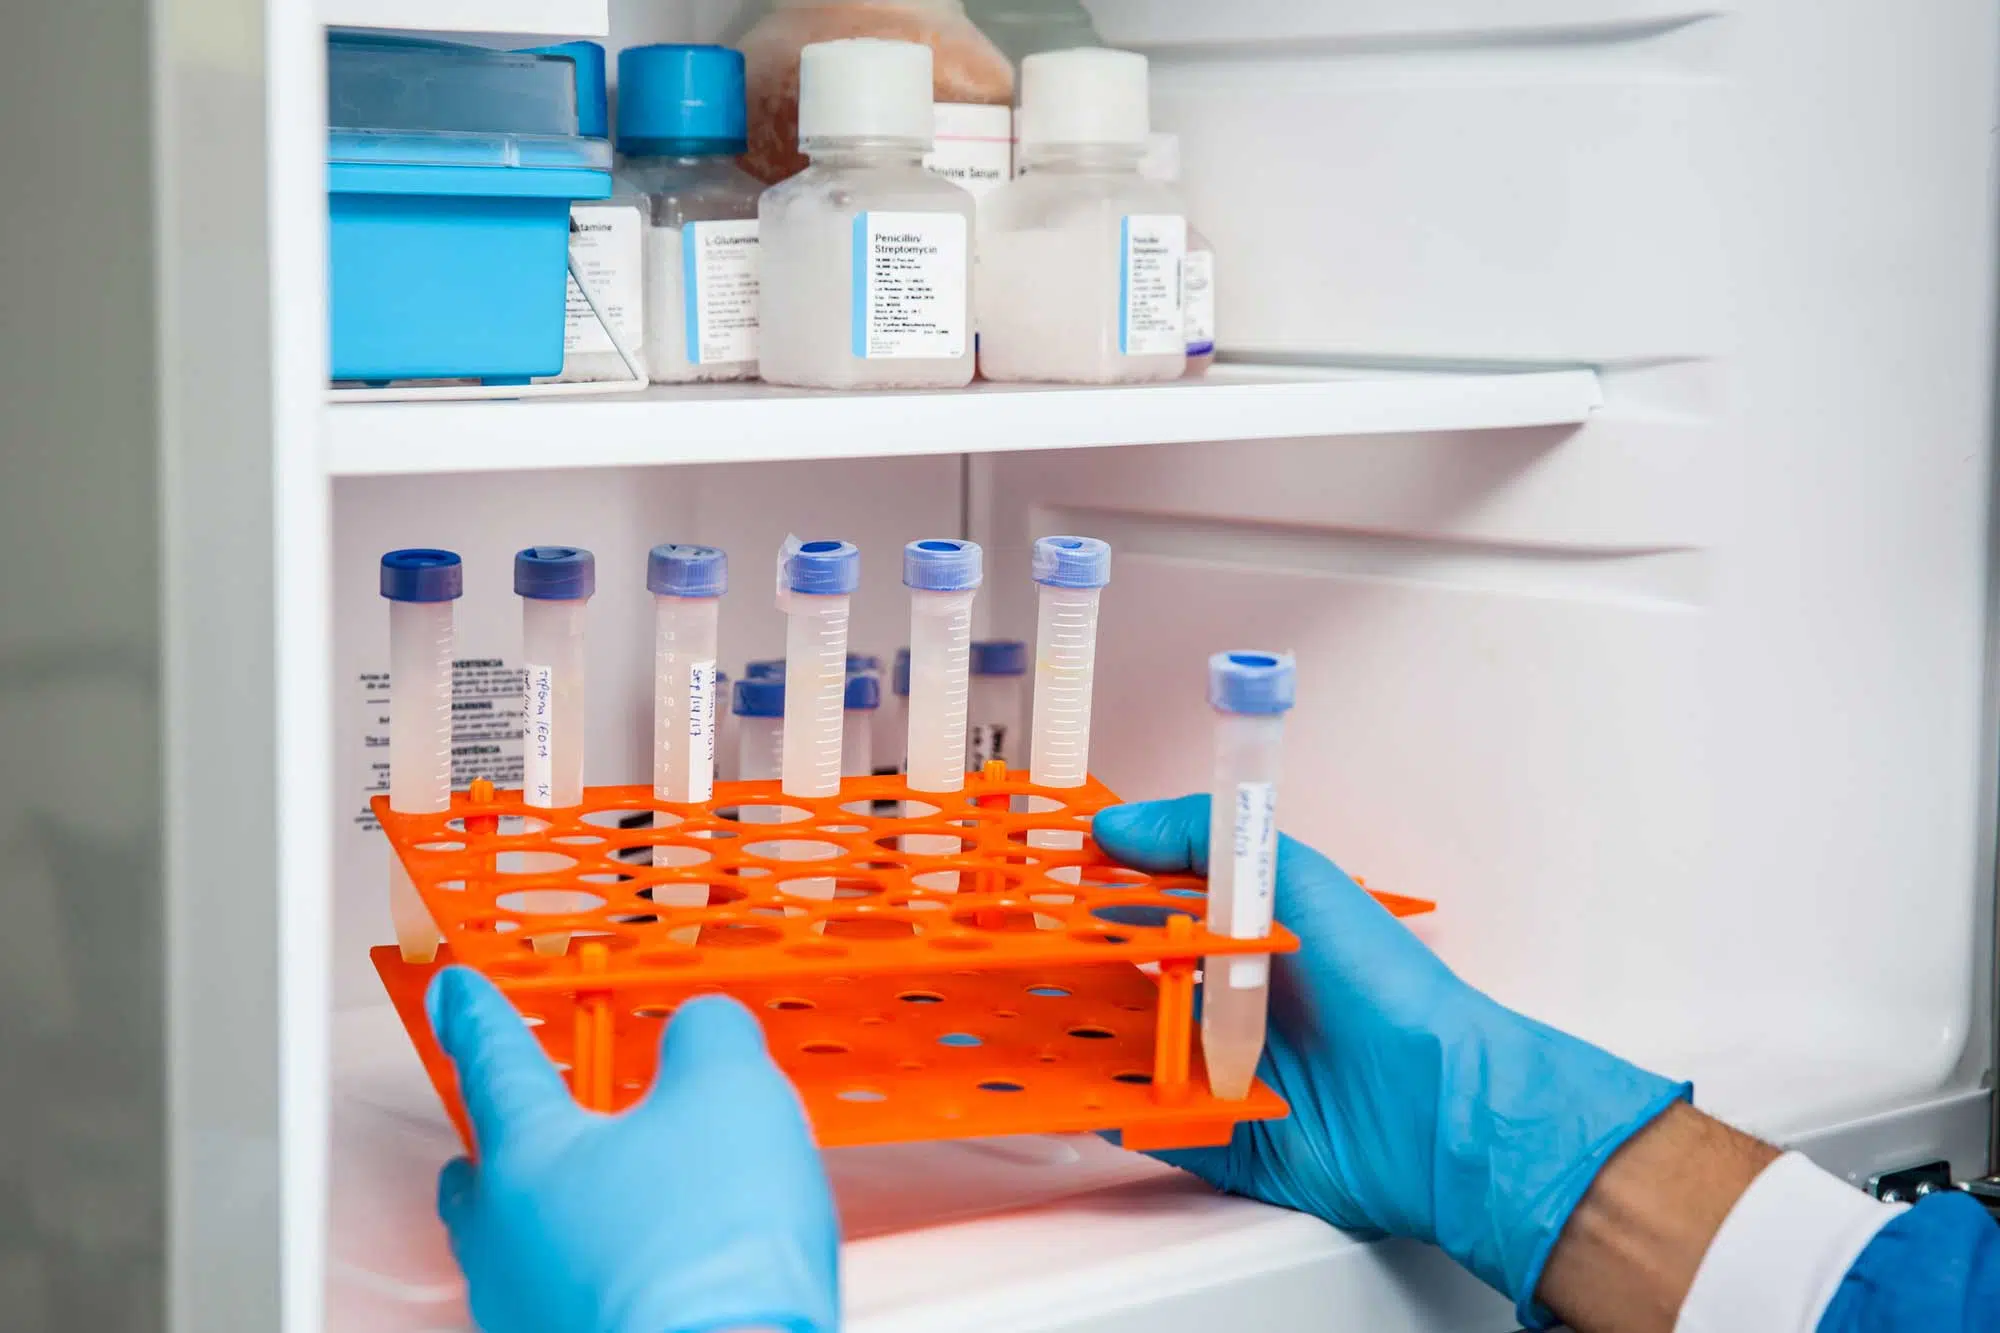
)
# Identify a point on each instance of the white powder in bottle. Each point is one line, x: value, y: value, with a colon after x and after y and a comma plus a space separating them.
x: 1081, y: 258
x: 867, y: 257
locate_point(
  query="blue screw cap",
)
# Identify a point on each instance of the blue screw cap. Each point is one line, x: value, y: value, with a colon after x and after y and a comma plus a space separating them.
x: 1072, y: 562
x: 941, y: 564
x: 824, y: 568
x: 1252, y: 684
x: 863, y: 691
x: 762, y: 696
x: 859, y: 662
x: 422, y: 575
x: 687, y: 571
x: 681, y: 101
x: 555, y: 573
x: 999, y: 657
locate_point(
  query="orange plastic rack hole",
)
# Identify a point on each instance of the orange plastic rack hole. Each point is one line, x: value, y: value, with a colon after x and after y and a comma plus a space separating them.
x: 991, y: 990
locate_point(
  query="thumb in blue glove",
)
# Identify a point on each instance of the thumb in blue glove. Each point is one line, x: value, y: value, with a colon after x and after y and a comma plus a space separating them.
x: 1419, y: 1106
x: 703, y: 1207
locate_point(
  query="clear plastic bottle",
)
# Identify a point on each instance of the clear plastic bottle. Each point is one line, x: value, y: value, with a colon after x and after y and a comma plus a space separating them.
x: 1162, y: 163
x: 972, y: 85
x: 1080, y: 258
x: 680, y: 126
x: 867, y: 279
x: 1022, y: 28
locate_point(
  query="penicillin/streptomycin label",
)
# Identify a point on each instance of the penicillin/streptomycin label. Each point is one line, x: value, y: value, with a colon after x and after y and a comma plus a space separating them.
x: 1255, y: 856
x: 1152, y: 320
x: 909, y: 283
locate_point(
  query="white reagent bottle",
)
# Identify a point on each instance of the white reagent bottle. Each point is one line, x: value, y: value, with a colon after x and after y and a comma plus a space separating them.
x: 1251, y: 693
x: 1080, y: 259
x: 421, y: 586
x: 867, y: 257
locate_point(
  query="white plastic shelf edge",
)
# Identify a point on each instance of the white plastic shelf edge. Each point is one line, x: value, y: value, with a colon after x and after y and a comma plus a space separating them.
x: 754, y: 422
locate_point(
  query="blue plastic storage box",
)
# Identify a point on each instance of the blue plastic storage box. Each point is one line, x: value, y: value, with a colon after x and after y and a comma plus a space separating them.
x: 449, y: 246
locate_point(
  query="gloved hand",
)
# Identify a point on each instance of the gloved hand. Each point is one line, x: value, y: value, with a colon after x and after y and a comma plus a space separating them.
x: 1419, y: 1106
x: 704, y: 1207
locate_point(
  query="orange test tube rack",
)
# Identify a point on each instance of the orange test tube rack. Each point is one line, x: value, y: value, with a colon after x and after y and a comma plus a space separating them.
x: 900, y: 1010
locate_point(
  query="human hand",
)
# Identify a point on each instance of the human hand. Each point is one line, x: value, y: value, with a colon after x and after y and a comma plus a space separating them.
x: 704, y: 1207
x: 1419, y: 1106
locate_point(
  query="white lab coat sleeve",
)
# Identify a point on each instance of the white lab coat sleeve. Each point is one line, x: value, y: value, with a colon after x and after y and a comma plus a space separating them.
x: 1781, y: 1252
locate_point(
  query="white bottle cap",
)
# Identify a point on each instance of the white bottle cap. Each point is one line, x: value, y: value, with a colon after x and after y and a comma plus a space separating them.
x: 1087, y: 96
x: 1162, y: 160
x: 864, y: 88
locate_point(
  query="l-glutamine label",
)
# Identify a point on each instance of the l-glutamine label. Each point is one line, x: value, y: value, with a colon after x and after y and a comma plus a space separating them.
x: 1255, y: 858
x: 975, y: 148
x: 1198, y: 293
x: 909, y: 279
x: 1151, y: 318
x: 538, y: 732
x: 701, y: 730
x: 719, y: 283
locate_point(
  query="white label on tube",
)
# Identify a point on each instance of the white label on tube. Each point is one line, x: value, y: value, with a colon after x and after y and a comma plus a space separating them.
x: 701, y: 730
x: 719, y: 281
x: 605, y: 243
x: 909, y: 279
x: 1200, y: 296
x: 1256, y: 860
x: 975, y: 149
x: 1249, y: 973
x: 538, y: 711
x: 1151, y: 321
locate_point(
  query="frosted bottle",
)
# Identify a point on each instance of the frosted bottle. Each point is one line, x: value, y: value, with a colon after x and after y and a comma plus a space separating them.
x: 943, y: 576
x: 1071, y: 573
x: 816, y: 581
x: 1250, y: 692
x: 867, y: 257
x: 680, y: 126
x: 421, y: 586
x: 555, y: 585
x: 993, y: 712
x: 1162, y: 163
x: 1080, y: 258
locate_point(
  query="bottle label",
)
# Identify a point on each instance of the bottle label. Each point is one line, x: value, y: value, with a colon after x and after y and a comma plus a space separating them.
x: 719, y: 263
x: 1199, y: 289
x: 910, y: 285
x: 607, y: 245
x: 975, y: 148
x: 1151, y: 321
x: 701, y: 730
x: 538, y: 749
x: 1255, y: 859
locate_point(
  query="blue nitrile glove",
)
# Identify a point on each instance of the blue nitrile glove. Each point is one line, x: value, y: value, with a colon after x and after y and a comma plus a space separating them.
x: 1419, y: 1106
x: 704, y: 1207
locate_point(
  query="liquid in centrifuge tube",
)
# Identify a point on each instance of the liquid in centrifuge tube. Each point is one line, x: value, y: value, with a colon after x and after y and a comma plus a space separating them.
x: 555, y: 584
x: 687, y: 583
x: 421, y: 586
x: 943, y: 576
x: 1071, y: 573
x: 816, y: 581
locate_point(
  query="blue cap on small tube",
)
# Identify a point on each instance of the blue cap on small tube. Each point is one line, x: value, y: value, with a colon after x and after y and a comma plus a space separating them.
x: 760, y: 697
x: 421, y: 575
x: 681, y: 101
x: 859, y: 662
x: 769, y: 668
x: 1072, y: 562
x: 901, y: 677
x: 999, y: 657
x: 555, y: 573
x: 593, y: 118
x: 941, y: 564
x: 863, y: 692
x: 824, y: 568
x: 687, y: 571
x: 1252, y: 684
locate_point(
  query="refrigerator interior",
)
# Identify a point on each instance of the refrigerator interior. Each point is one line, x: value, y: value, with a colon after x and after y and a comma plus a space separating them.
x: 1681, y: 714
